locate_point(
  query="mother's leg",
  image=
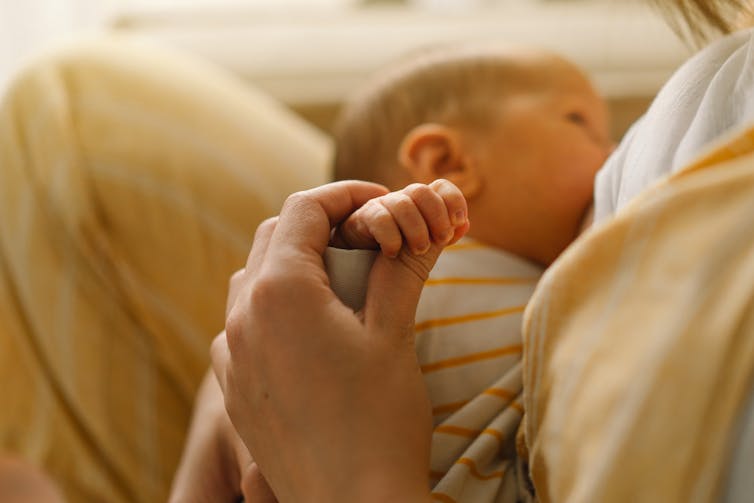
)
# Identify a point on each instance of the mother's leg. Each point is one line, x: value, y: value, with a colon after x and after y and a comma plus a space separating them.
x: 131, y: 180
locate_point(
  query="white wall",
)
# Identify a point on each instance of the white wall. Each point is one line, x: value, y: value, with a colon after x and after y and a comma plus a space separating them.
x: 28, y: 27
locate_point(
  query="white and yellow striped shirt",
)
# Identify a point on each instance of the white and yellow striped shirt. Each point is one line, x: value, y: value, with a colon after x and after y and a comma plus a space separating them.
x: 468, y: 338
x: 469, y: 346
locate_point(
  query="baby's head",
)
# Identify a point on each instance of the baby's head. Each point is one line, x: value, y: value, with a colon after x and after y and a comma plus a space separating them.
x: 521, y: 132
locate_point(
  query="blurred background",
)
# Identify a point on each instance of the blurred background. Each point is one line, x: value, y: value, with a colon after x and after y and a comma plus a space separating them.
x: 310, y: 53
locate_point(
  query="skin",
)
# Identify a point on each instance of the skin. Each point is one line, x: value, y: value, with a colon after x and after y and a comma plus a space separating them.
x: 528, y: 174
x: 22, y: 483
x: 215, y: 451
x: 536, y: 166
x: 555, y: 185
x: 411, y: 217
x: 420, y: 217
x: 343, y: 354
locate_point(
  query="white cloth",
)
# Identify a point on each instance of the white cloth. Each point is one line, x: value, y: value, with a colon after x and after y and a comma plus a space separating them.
x: 711, y: 95
x: 348, y: 272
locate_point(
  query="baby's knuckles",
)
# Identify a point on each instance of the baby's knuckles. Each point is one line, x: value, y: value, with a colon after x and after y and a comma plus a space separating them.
x: 447, y: 190
x: 417, y: 190
x: 399, y: 202
x: 430, y: 202
x: 420, y: 265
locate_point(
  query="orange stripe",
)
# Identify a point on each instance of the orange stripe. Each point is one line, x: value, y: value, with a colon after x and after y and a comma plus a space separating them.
x: 441, y: 322
x: 479, y: 281
x: 500, y: 392
x: 448, y: 407
x: 442, y: 497
x: 457, y: 430
x: 498, y: 435
x: 465, y: 246
x: 474, y: 357
x: 473, y: 470
x: 518, y: 407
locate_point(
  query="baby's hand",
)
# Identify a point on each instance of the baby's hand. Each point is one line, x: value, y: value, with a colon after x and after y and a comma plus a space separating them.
x: 415, y: 215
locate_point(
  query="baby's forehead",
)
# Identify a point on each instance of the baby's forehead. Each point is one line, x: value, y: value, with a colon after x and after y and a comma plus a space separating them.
x: 538, y: 72
x: 567, y: 82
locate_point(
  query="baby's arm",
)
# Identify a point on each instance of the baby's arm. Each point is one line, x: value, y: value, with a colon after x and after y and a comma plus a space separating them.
x: 415, y: 215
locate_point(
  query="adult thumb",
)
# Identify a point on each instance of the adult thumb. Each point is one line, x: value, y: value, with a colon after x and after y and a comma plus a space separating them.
x: 395, y: 285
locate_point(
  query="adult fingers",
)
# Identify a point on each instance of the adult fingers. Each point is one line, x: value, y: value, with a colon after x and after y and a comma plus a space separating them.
x: 207, y: 470
x: 292, y: 259
x: 220, y: 356
x: 307, y: 217
x: 255, y: 487
x: 261, y: 242
x: 253, y: 262
x: 234, y: 287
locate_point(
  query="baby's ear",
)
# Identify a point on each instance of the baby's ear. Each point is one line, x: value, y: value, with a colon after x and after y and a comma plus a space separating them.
x: 432, y: 151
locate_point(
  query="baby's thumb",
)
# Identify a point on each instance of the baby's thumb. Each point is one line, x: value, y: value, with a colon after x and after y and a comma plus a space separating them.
x: 394, y: 289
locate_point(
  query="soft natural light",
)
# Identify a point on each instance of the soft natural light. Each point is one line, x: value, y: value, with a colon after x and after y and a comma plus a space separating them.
x: 333, y: 44
x: 30, y: 26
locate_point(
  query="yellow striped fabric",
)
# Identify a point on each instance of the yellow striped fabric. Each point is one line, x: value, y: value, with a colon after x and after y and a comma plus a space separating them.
x: 639, y: 342
x: 468, y: 329
x: 131, y: 182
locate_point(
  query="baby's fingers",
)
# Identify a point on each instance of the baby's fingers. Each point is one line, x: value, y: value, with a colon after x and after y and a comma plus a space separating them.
x: 431, y: 202
x: 415, y: 215
x: 370, y: 226
x: 454, y: 201
x: 444, y: 209
x: 409, y: 219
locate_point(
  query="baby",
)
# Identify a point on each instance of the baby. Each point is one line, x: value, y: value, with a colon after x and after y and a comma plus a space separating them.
x: 521, y: 134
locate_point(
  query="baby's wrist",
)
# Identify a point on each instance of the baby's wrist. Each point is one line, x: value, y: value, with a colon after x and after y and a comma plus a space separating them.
x: 379, y: 490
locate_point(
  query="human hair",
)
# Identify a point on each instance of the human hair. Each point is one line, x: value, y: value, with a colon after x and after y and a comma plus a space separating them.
x: 456, y: 87
x: 699, y: 20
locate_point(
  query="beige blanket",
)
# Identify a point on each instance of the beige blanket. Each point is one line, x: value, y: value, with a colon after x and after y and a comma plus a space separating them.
x: 639, y: 343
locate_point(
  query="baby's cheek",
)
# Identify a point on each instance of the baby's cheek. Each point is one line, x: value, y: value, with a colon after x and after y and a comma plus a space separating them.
x: 583, y: 192
x: 588, y: 218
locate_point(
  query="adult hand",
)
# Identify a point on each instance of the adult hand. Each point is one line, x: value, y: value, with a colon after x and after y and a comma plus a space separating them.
x: 331, y: 403
x: 216, y: 466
